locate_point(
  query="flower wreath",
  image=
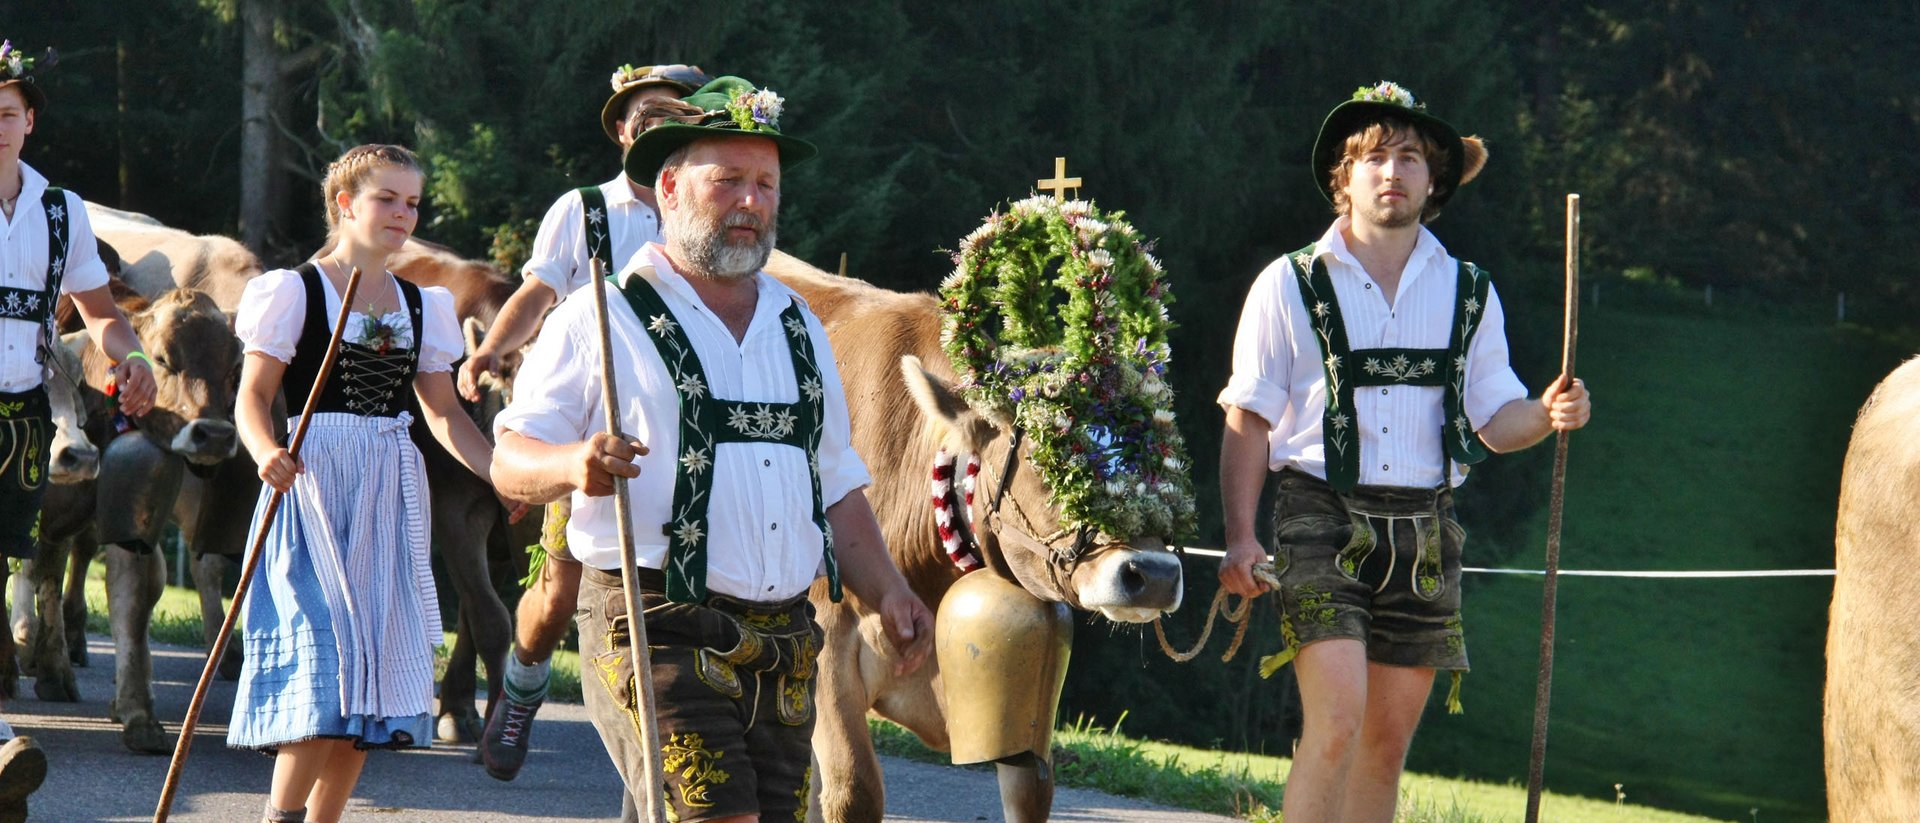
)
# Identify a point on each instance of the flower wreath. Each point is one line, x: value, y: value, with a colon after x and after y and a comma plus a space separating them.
x: 1056, y: 319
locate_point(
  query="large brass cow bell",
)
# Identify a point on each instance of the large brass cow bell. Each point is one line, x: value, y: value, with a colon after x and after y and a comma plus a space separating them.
x: 138, y: 483
x: 1003, y: 658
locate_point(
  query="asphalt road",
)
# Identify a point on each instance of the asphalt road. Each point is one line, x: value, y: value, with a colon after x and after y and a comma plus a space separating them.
x: 91, y: 777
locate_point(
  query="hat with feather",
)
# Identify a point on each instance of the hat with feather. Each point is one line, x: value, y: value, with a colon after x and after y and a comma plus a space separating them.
x: 1391, y: 101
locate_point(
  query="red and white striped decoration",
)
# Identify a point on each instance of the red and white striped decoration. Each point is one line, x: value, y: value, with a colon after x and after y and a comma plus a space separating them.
x: 956, y: 530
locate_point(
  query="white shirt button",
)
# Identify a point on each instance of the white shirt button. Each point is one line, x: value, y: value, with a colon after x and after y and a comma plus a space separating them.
x: 766, y: 462
x: 1384, y: 467
x: 774, y: 528
x: 1383, y: 391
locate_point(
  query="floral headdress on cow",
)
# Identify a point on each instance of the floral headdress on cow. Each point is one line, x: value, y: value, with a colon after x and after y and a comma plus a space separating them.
x: 16, y: 69
x: 1055, y: 317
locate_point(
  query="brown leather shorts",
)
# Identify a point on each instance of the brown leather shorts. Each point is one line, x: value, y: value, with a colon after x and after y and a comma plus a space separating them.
x: 734, y: 685
x: 1380, y: 564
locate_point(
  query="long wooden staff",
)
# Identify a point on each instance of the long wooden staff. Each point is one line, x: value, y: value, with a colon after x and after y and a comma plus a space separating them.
x: 654, y: 804
x: 253, y: 559
x: 1537, y: 764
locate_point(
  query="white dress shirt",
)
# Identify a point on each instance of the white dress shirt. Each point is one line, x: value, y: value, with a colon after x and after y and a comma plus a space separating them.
x: 1278, y: 373
x: 272, y: 316
x: 23, y: 265
x: 763, y: 544
x: 560, y: 256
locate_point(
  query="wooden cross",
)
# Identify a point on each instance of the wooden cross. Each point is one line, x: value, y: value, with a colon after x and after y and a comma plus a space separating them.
x: 1061, y: 183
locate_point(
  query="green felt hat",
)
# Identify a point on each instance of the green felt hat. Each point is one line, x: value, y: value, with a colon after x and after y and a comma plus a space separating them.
x: 15, y: 68
x: 628, y: 81
x: 1371, y: 104
x: 729, y: 107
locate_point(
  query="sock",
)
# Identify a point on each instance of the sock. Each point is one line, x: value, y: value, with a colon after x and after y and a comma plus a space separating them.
x: 526, y: 684
x: 277, y: 816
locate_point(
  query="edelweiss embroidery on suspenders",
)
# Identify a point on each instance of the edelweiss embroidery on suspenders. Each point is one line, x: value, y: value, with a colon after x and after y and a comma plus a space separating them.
x: 593, y: 227
x: 36, y: 305
x: 1347, y: 369
x: 707, y: 421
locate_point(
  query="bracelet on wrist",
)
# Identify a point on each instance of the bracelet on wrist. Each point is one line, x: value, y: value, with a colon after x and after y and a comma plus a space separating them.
x: 139, y: 355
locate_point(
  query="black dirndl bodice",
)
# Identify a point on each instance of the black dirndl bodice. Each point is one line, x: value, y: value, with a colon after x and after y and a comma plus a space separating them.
x: 366, y: 381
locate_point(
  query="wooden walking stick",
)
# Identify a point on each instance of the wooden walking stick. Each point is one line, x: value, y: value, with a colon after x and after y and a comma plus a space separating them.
x: 654, y: 804
x: 253, y: 560
x: 1537, y: 763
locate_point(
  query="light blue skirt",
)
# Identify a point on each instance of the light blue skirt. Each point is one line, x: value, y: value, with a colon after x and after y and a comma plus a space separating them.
x: 341, y: 616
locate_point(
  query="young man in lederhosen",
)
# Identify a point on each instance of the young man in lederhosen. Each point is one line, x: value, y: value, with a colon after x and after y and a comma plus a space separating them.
x: 47, y: 250
x: 1370, y: 369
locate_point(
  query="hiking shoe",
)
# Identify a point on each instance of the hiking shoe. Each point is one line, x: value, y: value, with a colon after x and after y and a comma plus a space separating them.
x: 22, y: 767
x: 503, y: 746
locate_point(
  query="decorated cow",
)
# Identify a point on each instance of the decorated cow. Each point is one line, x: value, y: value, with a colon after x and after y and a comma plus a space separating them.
x: 1025, y: 465
x: 1872, y: 705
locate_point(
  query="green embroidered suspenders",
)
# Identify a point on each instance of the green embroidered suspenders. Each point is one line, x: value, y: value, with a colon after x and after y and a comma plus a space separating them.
x: 593, y: 227
x: 1347, y: 369
x: 707, y: 421
x: 36, y: 306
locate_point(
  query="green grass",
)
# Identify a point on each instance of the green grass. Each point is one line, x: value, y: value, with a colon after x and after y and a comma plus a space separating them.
x: 176, y: 620
x: 1250, y: 786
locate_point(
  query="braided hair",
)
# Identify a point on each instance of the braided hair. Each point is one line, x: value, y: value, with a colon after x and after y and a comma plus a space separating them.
x: 350, y: 173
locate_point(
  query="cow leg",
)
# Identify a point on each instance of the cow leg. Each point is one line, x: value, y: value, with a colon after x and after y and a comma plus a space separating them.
x: 847, y: 784
x: 134, y: 582
x: 9, y: 651
x: 209, y: 581
x: 20, y: 609
x: 1026, y: 788
x: 463, y: 551
x: 46, y: 642
x: 458, y: 722
x: 74, y: 601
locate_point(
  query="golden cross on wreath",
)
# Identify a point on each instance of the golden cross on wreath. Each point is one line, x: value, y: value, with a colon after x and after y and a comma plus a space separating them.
x: 1061, y: 183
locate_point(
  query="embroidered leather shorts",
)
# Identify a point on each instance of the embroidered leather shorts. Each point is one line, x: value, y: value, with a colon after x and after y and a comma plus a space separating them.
x: 1380, y: 565
x: 734, y: 685
x: 26, y: 438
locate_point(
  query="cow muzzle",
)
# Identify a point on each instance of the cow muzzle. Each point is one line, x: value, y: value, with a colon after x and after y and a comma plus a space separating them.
x: 206, y: 441
x: 1132, y: 583
x: 73, y: 459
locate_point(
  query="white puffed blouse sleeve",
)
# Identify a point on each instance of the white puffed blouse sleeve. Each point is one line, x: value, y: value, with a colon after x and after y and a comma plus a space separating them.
x: 442, y: 343
x: 272, y: 312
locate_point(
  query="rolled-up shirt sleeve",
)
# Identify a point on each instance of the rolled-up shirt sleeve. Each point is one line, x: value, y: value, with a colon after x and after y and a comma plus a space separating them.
x: 842, y: 472
x: 441, y: 342
x: 85, y: 270
x: 1491, y: 382
x: 558, y: 249
x: 559, y: 382
x: 1262, y: 347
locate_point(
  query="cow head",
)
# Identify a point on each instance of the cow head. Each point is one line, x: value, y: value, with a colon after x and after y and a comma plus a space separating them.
x: 72, y: 458
x: 1020, y: 528
x: 196, y: 369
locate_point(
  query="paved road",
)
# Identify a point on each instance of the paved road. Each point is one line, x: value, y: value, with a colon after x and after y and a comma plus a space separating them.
x: 93, y: 778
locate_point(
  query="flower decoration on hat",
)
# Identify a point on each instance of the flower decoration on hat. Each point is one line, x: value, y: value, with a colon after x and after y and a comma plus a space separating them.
x: 756, y: 110
x: 15, y: 64
x: 627, y: 74
x: 1387, y: 92
x: 1056, y: 319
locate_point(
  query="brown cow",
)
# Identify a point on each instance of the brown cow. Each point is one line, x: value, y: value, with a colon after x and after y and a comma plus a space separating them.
x: 880, y: 337
x: 1873, y: 665
x: 196, y: 359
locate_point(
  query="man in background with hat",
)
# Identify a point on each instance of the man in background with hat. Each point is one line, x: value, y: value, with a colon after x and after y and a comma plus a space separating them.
x: 49, y: 250
x: 746, y: 486
x: 608, y: 222
x: 1370, y: 370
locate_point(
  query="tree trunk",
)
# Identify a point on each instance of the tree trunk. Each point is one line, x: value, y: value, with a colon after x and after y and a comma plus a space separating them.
x: 260, y: 147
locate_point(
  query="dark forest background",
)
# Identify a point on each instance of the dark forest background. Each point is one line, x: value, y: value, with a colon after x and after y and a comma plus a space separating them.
x: 1760, y: 151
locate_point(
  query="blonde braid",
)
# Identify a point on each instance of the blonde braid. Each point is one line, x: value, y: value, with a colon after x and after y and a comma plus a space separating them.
x: 351, y: 172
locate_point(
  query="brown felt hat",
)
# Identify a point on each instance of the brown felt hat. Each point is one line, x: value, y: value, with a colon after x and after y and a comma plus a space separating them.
x: 628, y: 81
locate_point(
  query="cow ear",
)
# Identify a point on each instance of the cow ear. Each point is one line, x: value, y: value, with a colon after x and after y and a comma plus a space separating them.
x: 939, y: 402
x: 473, y: 331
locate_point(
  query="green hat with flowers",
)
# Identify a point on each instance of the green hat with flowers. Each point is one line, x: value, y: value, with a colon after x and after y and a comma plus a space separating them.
x: 16, y: 70
x: 726, y: 107
x: 627, y: 81
x: 1387, y: 100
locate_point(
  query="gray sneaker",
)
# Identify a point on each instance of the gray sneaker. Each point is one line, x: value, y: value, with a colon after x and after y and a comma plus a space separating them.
x: 22, y: 767
x: 503, y: 746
